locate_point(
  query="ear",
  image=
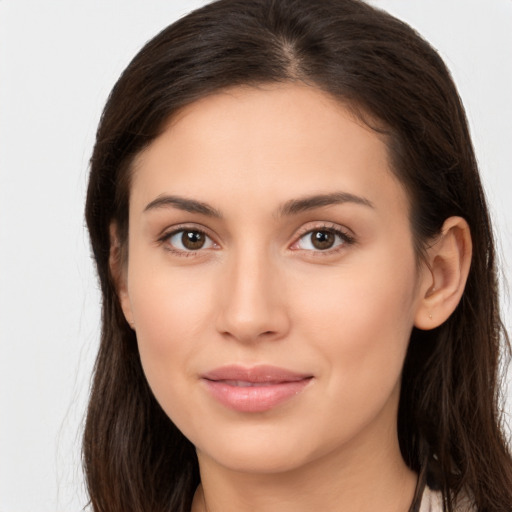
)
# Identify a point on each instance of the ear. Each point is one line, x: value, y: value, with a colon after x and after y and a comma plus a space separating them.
x: 118, y: 272
x: 449, y: 260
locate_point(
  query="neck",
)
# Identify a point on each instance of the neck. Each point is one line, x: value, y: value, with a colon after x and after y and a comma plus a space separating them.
x: 364, y: 478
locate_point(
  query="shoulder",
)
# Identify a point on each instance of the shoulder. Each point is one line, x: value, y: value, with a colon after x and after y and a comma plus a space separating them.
x: 432, y: 501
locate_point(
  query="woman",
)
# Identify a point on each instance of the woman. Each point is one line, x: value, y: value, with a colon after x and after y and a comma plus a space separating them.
x: 297, y: 265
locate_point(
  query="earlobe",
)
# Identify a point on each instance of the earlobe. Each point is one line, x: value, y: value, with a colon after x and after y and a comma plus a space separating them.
x: 118, y: 273
x: 449, y: 261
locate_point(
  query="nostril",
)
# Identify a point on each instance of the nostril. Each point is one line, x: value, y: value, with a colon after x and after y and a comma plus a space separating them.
x: 267, y: 334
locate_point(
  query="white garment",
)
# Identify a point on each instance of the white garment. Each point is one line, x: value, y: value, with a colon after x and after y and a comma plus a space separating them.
x: 432, y: 501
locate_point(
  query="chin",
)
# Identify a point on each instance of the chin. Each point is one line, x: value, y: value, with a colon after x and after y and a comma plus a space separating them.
x: 256, y: 460
x: 263, y: 450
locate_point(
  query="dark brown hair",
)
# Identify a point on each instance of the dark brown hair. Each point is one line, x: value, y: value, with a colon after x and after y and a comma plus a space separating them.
x: 449, y: 417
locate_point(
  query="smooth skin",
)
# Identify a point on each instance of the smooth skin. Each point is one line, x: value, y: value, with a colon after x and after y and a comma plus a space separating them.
x: 231, y: 261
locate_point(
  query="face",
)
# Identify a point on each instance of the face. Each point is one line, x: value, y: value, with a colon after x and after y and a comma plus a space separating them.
x: 271, y: 278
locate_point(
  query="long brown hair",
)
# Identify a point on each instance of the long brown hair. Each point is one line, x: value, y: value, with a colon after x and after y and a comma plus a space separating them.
x: 449, y: 420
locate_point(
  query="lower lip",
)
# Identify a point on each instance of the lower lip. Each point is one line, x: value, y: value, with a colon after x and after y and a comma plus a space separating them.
x: 255, y: 398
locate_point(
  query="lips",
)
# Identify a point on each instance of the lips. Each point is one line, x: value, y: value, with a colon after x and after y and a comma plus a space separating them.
x: 255, y: 389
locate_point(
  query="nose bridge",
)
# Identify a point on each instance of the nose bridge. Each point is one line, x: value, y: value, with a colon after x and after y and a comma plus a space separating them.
x: 253, y: 303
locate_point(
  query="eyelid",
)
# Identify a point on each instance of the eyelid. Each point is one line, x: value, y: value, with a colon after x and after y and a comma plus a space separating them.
x: 343, y: 232
x: 169, y: 232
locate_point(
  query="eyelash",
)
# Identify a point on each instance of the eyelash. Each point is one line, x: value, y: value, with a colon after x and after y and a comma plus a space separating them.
x: 346, y: 240
x: 165, y: 239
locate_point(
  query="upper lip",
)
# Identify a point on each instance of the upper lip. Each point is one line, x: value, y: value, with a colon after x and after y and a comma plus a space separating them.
x: 256, y: 374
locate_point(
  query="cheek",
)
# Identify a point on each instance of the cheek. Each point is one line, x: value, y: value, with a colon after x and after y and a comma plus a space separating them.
x: 170, y: 312
x: 361, y: 315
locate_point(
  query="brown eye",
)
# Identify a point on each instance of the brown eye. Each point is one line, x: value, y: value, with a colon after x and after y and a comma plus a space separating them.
x: 188, y: 240
x: 322, y: 239
x: 193, y: 240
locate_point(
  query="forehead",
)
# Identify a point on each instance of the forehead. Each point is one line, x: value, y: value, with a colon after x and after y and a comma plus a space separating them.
x: 274, y: 141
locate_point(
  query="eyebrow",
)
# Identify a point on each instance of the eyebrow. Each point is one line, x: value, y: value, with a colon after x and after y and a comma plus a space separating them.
x: 185, y: 204
x: 295, y: 206
x: 292, y: 207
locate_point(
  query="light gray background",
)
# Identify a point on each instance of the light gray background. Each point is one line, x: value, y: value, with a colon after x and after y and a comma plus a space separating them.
x: 58, y: 61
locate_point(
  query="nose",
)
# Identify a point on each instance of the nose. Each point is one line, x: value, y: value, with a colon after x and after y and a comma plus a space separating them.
x: 253, y: 302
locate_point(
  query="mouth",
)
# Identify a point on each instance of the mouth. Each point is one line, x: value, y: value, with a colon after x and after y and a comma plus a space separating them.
x: 255, y: 389
x: 246, y: 384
